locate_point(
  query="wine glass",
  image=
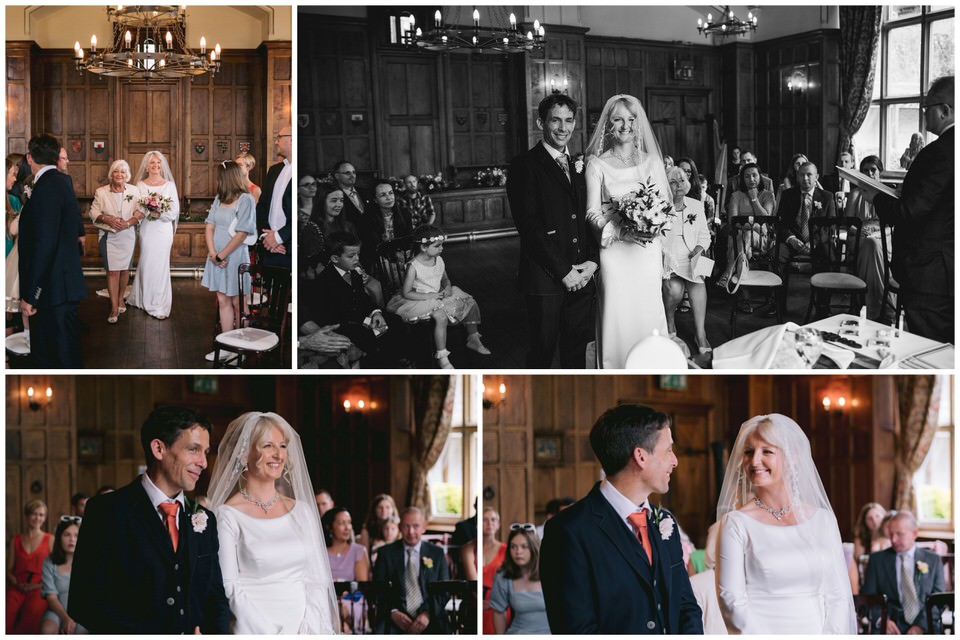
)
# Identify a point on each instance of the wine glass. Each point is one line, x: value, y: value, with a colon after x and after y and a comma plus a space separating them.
x: 809, y: 345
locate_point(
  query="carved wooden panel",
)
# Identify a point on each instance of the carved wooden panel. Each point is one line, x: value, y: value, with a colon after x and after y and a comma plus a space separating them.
x: 467, y: 210
x: 562, y: 60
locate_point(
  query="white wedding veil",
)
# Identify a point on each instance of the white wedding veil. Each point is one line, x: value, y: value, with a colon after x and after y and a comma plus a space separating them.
x: 807, y: 497
x: 232, y: 456
x: 646, y: 148
x: 144, y: 170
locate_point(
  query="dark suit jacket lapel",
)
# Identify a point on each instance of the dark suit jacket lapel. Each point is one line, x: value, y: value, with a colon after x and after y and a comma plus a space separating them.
x: 152, y: 524
x: 661, y: 554
x: 617, y: 535
x: 889, y: 567
x: 553, y: 168
x: 189, y: 541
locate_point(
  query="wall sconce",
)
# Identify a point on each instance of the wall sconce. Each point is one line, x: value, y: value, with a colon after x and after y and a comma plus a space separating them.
x: 358, y: 404
x: 797, y: 82
x: 555, y: 87
x: 34, y: 402
x: 837, y: 404
x: 488, y: 402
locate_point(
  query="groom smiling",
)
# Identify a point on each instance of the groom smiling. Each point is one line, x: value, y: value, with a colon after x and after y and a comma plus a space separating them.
x: 612, y: 564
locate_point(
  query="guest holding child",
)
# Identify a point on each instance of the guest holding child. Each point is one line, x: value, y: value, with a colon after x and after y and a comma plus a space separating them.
x: 428, y: 294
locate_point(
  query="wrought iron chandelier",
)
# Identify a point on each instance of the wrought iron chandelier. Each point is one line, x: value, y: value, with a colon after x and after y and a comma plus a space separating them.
x: 728, y: 25
x: 149, y: 43
x: 447, y: 36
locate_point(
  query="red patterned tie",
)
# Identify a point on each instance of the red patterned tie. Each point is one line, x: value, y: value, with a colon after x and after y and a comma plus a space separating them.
x: 639, y: 520
x: 169, y: 510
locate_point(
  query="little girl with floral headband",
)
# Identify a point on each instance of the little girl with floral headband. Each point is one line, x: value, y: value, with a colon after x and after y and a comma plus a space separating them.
x: 428, y: 294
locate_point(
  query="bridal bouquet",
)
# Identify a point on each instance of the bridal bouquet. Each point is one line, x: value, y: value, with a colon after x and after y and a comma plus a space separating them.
x: 645, y: 212
x: 154, y: 205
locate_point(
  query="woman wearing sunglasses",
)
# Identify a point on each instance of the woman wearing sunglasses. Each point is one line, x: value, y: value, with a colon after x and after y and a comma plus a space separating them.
x: 56, y: 579
x: 517, y: 585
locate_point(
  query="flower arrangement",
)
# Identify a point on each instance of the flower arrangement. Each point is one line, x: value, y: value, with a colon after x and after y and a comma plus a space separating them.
x: 491, y: 177
x: 433, y: 182
x: 154, y: 205
x: 645, y: 212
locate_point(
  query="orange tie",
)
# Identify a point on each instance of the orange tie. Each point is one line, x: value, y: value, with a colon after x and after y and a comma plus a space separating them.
x: 170, y: 510
x: 639, y: 520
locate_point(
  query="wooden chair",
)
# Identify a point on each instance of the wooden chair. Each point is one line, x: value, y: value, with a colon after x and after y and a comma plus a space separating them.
x: 940, y: 603
x: 764, y: 264
x: 871, y: 614
x: 890, y: 285
x: 949, y: 570
x: 263, y: 319
x: 361, y: 607
x: 391, y: 267
x: 827, y: 252
x: 460, y: 604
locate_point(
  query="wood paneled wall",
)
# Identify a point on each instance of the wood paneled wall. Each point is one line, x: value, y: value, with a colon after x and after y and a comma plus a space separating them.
x: 19, y: 83
x: 853, y: 450
x: 807, y: 122
x: 563, y: 58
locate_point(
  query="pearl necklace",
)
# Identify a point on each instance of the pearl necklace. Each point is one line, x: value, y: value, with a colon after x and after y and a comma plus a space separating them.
x: 776, y: 513
x: 263, y: 505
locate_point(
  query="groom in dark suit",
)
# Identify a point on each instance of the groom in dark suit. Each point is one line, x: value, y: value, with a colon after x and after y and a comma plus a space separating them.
x: 410, y: 564
x: 51, y: 280
x: 147, y: 558
x: 905, y: 574
x: 275, y: 206
x: 611, y: 563
x: 558, y: 252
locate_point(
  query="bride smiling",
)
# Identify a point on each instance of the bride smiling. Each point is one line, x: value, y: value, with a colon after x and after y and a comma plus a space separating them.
x: 275, y: 570
x: 780, y: 565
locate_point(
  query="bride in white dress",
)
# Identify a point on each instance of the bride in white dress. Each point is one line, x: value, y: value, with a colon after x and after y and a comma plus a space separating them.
x: 622, y: 153
x: 275, y: 568
x: 152, y: 290
x: 780, y: 567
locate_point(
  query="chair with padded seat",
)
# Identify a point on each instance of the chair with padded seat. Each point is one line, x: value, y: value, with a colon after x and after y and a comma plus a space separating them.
x: 890, y: 285
x: 263, y: 316
x: 941, y: 611
x: 831, y: 273
x: 763, y: 264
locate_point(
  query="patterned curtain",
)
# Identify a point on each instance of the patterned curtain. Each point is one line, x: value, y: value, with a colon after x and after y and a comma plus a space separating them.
x: 432, y: 409
x: 919, y: 399
x: 859, y: 43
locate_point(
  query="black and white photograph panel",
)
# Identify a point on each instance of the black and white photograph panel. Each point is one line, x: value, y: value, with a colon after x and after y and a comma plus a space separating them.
x: 713, y: 504
x: 149, y: 186
x: 245, y: 505
x: 626, y: 187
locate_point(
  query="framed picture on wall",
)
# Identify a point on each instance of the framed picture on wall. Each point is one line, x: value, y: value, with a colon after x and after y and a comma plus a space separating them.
x: 547, y: 449
x: 89, y: 446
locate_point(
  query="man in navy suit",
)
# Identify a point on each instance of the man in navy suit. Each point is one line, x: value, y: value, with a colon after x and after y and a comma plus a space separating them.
x: 611, y: 563
x: 274, y: 206
x: 147, y: 558
x: 905, y: 574
x: 923, y: 236
x: 51, y: 279
x: 410, y: 564
x: 558, y: 252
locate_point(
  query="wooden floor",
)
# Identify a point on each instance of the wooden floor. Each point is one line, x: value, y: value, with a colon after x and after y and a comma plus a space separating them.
x: 139, y: 341
x: 487, y: 270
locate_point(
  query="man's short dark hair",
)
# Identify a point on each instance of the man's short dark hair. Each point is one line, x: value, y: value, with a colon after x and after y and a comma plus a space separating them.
x: 340, y: 163
x: 620, y: 430
x: 166, y: 424
x: 340, y: 240
x: 44, y: 149
x: 555, y: 100
x: 77, y: 497
x: 808, y: 164
x: 557, y: 504
x: 942, y: 90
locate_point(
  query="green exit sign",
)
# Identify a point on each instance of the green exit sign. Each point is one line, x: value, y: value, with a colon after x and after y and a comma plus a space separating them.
x: 673, y: 382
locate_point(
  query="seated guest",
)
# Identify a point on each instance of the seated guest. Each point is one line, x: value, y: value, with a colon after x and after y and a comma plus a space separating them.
x: 78, y: 502
x: 463, y: 549
x: 868, y: 535
x: 348, y: 562
x: 56, y: 579
x: 667, y: 162
x: 322, y: 347
x: 418, y: 206
x: 749, y: 157
x: 750, y: 199
x: 554, y: 506
x: 905, y: 574
x: 836, y: 185
x: 389, y: 532
x: 790, y: 177
x: 494, y: 554
x: 389, y: 219
x: 324, y: 501
x: 797, y: 205
x: 337, y: 297
x: 247, y: 162
x: 25, y: 605
x: 381, y: 507
x: 736, y: 161
x: 693, y: 177
x: 869, y: 267
x: 412, y: 609
x: 355, y: 205
x: 684, y: 243
x: 517, y: 585
x: 709, y: 204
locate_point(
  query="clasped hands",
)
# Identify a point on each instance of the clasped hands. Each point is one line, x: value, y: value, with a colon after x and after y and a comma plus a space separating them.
x: 270, y: 243
x: 416, y: 625
x: 579, y: 275
x: 799, y: 245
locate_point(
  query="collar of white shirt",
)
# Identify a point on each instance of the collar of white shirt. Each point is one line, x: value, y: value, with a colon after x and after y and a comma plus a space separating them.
x: 621, y: 503
x: 157, y: 496
x: 407, y: 548
x: 553, y: 152
x: 43, y: 170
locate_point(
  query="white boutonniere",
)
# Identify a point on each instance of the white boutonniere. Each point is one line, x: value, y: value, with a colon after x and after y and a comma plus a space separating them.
x: 578, y: 164
x: 817, y: 205
x: 664, y: 524
x: 428, y: 563
x: 28, y: 190
x: 923, y: 567
x: 198, y: 517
